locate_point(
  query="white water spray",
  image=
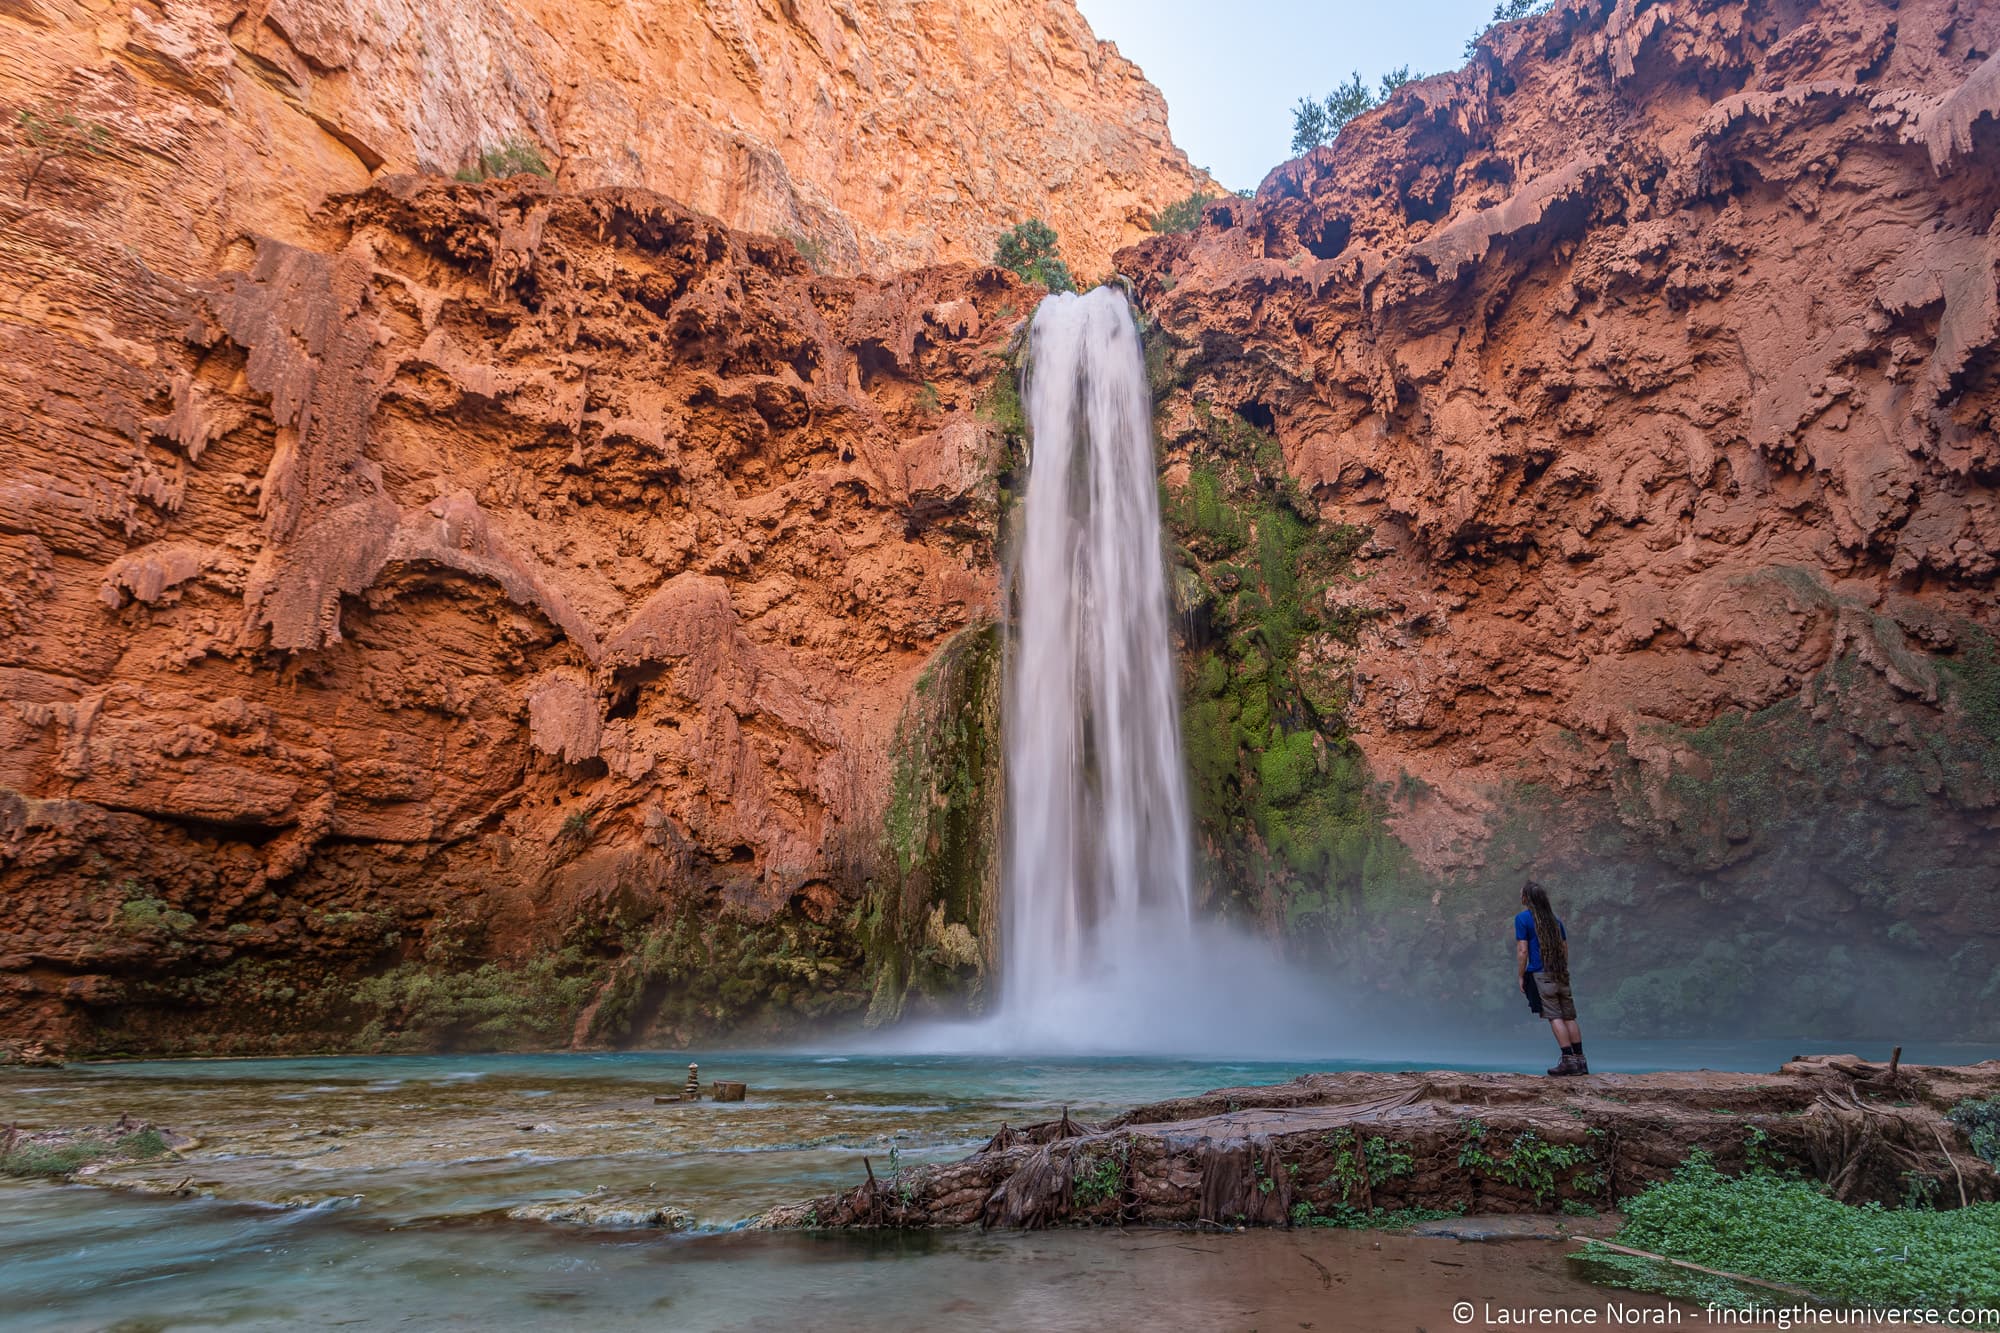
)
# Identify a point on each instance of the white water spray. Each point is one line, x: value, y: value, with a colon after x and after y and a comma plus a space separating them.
x: 1096, y: 853
x: 1102, y: 951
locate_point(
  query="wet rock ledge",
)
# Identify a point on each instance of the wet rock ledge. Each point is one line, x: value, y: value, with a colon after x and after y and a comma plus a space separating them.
x: 1334, y: 1146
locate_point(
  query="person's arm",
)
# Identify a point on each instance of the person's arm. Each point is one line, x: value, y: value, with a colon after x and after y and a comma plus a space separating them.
x: 1521, y: 957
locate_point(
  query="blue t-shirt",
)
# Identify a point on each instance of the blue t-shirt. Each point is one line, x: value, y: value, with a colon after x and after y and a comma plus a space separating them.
x: 1524, y: 929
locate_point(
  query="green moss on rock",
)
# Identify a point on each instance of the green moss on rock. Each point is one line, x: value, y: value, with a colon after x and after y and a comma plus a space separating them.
x: 1290, y: 829
x: 931, y: 913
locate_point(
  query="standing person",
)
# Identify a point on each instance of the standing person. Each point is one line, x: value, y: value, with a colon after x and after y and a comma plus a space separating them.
x: 1541, y: 950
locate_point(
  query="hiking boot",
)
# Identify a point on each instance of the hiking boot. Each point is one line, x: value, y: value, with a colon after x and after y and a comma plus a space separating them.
x: 1582, y: 1066
x: 1565, y: 1067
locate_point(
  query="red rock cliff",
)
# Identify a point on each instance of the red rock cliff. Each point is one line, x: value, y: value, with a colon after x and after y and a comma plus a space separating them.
x: 1651, y: 361
x: 880, y: 133
x: 509, y: 570
x: 521, y: 584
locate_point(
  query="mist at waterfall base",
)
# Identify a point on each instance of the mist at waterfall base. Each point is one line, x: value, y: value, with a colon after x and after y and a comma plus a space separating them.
x: 1101, y: 951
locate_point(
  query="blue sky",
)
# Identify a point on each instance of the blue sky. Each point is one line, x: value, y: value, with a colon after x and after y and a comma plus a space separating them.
x: 1231, y: 69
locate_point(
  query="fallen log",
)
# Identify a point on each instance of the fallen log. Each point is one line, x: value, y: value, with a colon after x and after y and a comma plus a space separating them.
x: 1798, y: 1292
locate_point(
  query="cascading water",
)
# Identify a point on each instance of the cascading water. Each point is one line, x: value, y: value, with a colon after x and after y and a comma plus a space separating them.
x: 1102, y: 952
x: 1096, y: 855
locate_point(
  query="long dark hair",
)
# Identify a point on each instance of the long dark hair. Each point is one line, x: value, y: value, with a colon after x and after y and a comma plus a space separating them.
x: 1548, y: 933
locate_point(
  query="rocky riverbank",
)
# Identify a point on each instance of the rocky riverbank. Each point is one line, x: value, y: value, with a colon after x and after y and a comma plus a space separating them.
x: 1352, y: 1147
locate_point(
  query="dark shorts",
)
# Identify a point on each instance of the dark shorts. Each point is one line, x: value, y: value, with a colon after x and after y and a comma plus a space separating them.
x: 1554, y: 998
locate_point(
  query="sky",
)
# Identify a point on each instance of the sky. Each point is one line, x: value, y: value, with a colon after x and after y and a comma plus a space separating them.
x: 1232, y: 69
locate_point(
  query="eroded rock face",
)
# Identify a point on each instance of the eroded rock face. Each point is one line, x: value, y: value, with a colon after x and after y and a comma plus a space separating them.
x: 514, y: 576
x: 880, y: 133
x: 1649, y: 363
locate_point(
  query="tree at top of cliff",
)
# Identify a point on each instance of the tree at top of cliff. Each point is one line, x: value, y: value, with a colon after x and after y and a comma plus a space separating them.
x: 1504, y: 12
x: 1029, y: 250
x: 1316, y: 123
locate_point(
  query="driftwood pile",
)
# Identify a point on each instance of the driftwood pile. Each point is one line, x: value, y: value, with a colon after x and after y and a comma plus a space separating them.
x: 1327, y: 1145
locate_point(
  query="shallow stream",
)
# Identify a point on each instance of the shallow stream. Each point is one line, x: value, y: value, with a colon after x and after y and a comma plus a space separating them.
x: 374, y: 1191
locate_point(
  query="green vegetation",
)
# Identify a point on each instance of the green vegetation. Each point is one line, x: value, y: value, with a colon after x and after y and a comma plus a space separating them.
x: 1359, y: 1166
x: 1315, y: 123
x: 44, y: 135
x: 1980, y: 1122
x: 516, y: 157
x: 1181, y: 215
x: 1002, y: 407
x: 1377, y: 1219
x: 147, y: 915
x: 1282, y: 796
x: 1758, y: 1152
x: 418, y: 1004
x: 1100, y: 1177
x: 905, y: 1190
x: 1975, y: 689
x: 58, y: 1160
x: 810, y: 248
x: 1029, y: 250
x: 1533, y: 1164
x: 926, y: 913
x: 40, y: 1160
x: 1786, y: 1229
x: 1506, y: 11
x: 690, y: 974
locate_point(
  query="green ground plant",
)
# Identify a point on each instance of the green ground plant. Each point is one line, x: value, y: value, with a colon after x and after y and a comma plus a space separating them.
x: 1532, y: 1163
x: 148, y: 914
x: 418, y: 1005
x: 905, y: 1189
x: 1380, y: 1219
x: 1787, y: 1229
x: 1975, y: 690
x: 1100, y: 1176
x: 1359, y: 1165
x: 54, y: 1161
x: 810, y: 248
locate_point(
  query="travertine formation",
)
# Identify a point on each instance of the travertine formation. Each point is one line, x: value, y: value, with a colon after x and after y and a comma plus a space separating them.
x: 1650, y: 359
x: 533, y: 612
x: 514, y: 570
x: 1356, y: 1147
x: 879, y: 133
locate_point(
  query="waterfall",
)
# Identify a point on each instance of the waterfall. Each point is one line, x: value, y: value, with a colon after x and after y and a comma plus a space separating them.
x: 1101, y: 950
x: 1096, y: 859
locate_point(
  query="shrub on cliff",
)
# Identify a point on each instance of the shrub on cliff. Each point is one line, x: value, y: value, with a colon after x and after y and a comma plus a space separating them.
x: 47, y: 134
x: 1505, y: 12
x: 1181, y: 215
x: 516, y: 157
x: 1029, y: 250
